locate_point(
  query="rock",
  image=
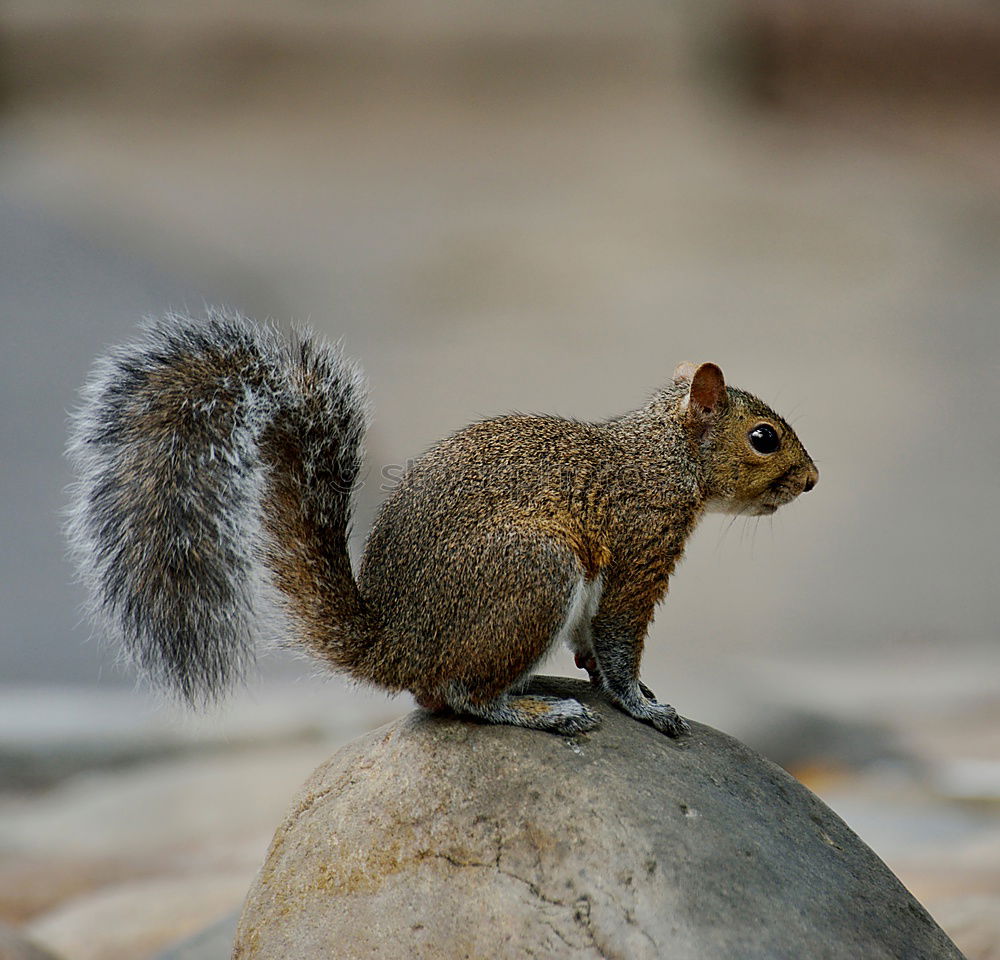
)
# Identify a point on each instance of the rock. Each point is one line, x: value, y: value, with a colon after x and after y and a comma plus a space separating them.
x: 437, y: 837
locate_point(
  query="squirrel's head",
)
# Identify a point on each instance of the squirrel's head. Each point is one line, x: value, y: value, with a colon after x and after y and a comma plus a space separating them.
x: 753, y: 461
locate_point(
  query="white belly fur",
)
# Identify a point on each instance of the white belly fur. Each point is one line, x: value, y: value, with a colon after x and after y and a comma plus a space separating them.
x: 575, y: 629
x: 583, y: 604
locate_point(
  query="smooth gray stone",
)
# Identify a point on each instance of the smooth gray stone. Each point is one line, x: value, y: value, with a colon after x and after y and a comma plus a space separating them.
x: 438, y: 837
x: 215, y: 942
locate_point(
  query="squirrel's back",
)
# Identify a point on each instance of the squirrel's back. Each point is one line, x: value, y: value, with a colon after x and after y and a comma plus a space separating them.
x: 209, y: 452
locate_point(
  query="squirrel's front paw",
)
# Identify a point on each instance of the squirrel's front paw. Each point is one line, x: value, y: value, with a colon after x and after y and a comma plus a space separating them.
x: 662, y: 716
x: 667, y: 720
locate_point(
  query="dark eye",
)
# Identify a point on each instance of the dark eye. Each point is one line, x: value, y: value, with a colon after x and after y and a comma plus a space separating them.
x: 764, y: 438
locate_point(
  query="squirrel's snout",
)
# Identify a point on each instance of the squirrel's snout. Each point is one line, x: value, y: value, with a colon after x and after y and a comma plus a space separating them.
x: 812, y: 478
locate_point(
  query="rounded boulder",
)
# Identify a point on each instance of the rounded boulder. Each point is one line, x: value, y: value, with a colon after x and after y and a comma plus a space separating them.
x: 441, y: 838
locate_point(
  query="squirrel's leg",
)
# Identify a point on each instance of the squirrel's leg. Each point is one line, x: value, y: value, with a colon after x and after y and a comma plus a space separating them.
x: 497, y: 632
x: 617, y: 652
x: 582, y: 645
x: 588, y: 662
x: 531, y: 710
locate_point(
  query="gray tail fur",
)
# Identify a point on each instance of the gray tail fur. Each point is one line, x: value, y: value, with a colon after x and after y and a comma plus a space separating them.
x: 209, y: 454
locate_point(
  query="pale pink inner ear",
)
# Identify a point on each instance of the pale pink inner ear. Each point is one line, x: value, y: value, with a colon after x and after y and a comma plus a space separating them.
x: 708, y: 388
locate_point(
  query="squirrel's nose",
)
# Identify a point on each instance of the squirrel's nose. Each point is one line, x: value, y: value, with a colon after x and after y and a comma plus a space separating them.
x: 812, y: 478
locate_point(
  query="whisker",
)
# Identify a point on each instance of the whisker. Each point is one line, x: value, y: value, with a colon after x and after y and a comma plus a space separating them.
x: 725, y: 530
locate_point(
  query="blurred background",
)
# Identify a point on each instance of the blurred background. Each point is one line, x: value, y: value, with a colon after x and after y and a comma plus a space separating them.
x: 540, y: 206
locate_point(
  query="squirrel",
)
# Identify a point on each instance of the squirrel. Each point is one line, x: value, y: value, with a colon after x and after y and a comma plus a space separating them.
x: 213, y: 457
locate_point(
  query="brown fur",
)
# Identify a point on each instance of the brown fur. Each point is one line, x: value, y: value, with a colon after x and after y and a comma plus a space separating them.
x: 473, y: 557
x: 209, y: 449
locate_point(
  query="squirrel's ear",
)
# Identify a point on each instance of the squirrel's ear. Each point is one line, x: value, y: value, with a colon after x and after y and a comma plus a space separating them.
x: 685, y: 370
x: 707, y: 394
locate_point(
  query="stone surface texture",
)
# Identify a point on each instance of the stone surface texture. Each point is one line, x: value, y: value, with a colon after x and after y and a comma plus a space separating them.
x: 436, y: 837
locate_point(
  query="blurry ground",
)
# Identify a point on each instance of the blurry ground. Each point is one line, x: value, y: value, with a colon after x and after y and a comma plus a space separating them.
x: 541, y: 207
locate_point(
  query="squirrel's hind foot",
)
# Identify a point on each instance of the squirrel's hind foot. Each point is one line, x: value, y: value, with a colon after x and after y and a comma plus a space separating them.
x: 555, y: 715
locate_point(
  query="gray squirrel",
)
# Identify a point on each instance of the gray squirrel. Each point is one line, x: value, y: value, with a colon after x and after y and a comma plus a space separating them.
x: 213, y: 453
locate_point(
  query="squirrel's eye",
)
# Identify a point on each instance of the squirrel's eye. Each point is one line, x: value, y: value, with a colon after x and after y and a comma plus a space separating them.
x: 764, y: 438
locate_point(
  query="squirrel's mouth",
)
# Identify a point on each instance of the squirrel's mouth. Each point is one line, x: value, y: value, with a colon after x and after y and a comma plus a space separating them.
x: 777, y: 495
x: 763, y: 505
x: 783, y: 490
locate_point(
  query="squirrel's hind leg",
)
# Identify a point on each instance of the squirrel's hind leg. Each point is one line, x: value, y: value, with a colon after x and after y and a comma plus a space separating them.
x: 534, y: 711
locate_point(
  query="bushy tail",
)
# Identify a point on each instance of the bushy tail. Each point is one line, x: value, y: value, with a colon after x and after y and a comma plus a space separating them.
x: 209, y: 453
